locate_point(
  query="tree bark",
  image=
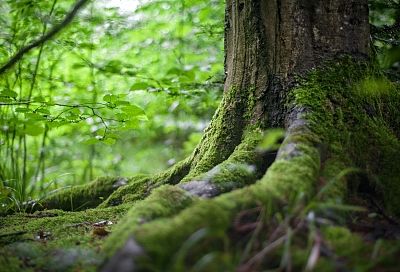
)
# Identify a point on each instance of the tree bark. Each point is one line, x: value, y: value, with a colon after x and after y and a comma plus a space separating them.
x: 267, y: 43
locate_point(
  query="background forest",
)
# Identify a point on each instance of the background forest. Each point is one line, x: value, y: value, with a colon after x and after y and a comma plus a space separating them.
x: 126, y: 88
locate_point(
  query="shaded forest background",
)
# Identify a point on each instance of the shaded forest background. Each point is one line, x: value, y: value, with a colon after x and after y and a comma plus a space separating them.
x: 123, y: 89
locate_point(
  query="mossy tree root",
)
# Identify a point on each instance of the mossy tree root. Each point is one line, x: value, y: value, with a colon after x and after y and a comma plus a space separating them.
x: 164, y: 201
x: 108, y: 191
x: 80, y: 197
x: 244, y: 166
x: 141, y: 187
x: 291, y: 176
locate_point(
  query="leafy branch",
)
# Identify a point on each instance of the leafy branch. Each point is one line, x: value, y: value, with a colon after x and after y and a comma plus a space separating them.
x: 52, y: 32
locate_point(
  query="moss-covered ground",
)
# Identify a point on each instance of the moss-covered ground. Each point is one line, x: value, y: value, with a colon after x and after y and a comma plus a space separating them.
x: 329, y: 201
x: 56, y: 240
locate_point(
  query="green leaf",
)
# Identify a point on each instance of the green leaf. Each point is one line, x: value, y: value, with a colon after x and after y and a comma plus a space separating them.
x: 113, y: 136
x: 174, y: 71
x: 113, y: 66
x: 56, y: 124
x: 42, y: 110
x: 133, y: 110
x: 72, y: 116
x: 121, y: 102
x: 75, y: 111
x: 39, y: 99
x: 5, y: 99
x: 142, y: 118
x: 90, y: 141
x: 107, y: 98
x: 9, y: 93
x: 121, y: 116
x: 109, y: 141
x: 139, y: 86
x: 87, y: 45
x: 110, y: 98
x: 31, y: 116
x: 188, y: 75
x: 133, y: 123
x: 130, y: 72
x: 33, y: 129
x: 78, y: 65
x: 23, y: 110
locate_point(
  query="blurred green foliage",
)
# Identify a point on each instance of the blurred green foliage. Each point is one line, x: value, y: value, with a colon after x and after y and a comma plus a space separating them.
x: 385, y: 30
x: 127, y: 87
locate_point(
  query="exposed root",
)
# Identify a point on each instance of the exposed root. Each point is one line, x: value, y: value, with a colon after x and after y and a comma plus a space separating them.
x: 291, y: 176
x: 109, y: 191
x: 135, y: 190
x: 244, y: 166
x: 141, y: 188
x: 164, y: 201
x: 79, y: 197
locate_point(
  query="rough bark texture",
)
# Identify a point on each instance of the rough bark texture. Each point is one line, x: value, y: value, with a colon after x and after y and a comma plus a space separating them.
x: 269, y: 42
x: 285, y: 67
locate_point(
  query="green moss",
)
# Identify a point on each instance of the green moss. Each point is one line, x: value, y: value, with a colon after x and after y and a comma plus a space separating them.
x: 300, y: 257
x: 137, y: 189
x: 12, y: 263
x: 163, y: 238
x: 174, y: 174
x: 140, y: 186
x: 37, y: 257
x: 332, y: 184
x: 358, y: 254
x: 226, y: 131
x: 241, y: 168
x: 55, y: 240
x: 342, y: 240
x: 355, y: 111
x: 82, y: 196
x: 164, y: 201
x: 287, y: 179
x: 59, y: 223
x: 69, y: 242
x: 347, y: 251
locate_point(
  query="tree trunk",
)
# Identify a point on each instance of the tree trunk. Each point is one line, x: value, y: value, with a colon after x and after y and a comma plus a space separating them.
x: 267, y: 43
x: 300, y: 65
